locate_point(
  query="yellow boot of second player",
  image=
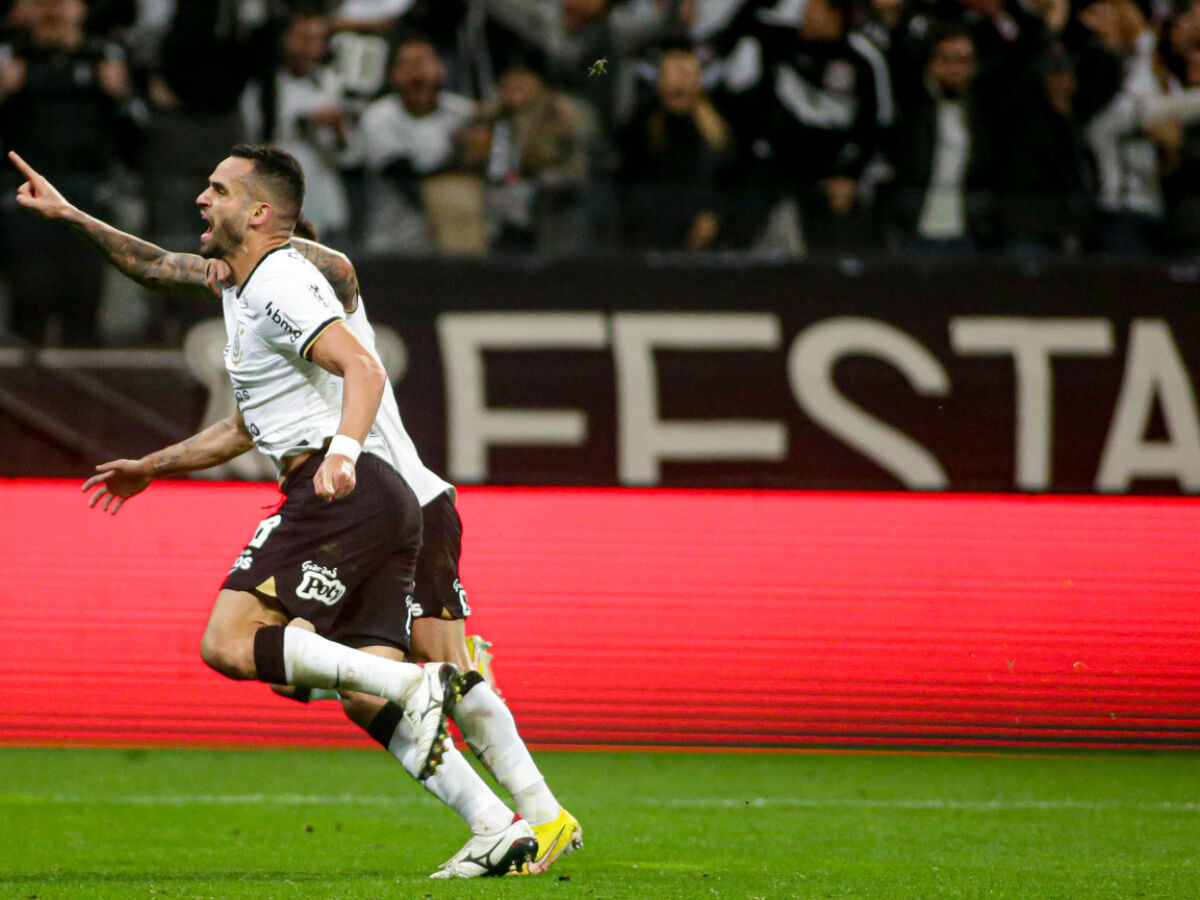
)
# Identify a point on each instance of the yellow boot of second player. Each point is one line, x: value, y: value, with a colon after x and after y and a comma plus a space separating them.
x: 560, y: 836
x: 478, y: 651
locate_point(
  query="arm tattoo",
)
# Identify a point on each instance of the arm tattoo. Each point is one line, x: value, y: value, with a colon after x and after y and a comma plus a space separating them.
x: 165, y: 461
x: 335, y: 266
x: 147, y: 263
x: 216, y: 444
x: 165, y: 464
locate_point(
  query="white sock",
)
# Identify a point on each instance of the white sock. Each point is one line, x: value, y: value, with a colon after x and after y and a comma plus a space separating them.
x: 455, y: 783
x: 310, y: 660
x: 491, y: 731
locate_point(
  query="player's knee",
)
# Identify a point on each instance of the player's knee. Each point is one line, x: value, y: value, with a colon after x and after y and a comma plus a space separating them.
x: 227, y: 657
x: 436, y: 641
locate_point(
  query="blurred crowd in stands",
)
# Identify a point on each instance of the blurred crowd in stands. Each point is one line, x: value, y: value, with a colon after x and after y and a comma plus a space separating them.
x: 921, y: 127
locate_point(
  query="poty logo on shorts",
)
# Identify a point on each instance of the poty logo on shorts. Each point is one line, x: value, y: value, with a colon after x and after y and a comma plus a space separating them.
x: 243, y: 562
x: 320, y: 584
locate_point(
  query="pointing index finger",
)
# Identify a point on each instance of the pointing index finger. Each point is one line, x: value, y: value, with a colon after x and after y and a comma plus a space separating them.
x: 27, y: 170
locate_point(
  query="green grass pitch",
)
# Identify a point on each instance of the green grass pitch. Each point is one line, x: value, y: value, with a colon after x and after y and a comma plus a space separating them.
x: 334, y: 824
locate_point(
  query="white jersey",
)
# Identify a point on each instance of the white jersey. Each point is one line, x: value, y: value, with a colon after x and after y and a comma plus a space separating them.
x: 290, y: 404
x: 401, y: 451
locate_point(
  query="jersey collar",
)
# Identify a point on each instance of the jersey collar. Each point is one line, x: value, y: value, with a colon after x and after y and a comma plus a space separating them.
x: 262, y: 259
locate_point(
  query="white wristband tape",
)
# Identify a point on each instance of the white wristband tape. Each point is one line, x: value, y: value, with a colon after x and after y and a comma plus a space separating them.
x: 344, y: 445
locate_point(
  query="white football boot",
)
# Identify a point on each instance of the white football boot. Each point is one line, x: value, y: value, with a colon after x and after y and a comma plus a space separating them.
x: 507, y: 852
x: 425, y: 711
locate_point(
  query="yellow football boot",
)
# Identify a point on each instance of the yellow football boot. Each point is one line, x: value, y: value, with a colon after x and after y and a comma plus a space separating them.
x: 561, y: 835
x: 481, y: 659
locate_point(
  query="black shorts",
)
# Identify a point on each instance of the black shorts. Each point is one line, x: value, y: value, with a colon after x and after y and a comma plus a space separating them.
x: 439, y: 593
x: 345, y: 565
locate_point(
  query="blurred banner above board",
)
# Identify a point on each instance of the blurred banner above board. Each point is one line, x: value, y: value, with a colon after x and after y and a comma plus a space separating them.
x: 880, y: 376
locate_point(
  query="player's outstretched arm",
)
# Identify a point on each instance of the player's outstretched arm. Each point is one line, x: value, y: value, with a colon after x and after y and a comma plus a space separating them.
x: 121, y: 479
x: 339, y: 351
x: 335, y: 266
x: 148, y: 264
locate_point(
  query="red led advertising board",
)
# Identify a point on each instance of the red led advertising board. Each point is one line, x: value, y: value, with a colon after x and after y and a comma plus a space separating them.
x: 763, y: 619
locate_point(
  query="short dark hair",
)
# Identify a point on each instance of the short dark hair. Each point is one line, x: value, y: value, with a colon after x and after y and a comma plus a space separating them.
x: 405, y: 36
x: 280, y: 171
x: 944, y: 30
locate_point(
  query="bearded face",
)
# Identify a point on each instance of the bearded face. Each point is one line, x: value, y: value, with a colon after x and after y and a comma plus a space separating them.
x: 224, y: 207
x: 222, y: 236
x: 952, y: 65
x: 417, y: 76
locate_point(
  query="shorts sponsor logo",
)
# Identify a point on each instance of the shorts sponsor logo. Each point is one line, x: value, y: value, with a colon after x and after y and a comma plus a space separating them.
x: 267, y: 525
x: 414, y: 612
x: 320, y: 584
x: 244, y: 561
x: 462, y: 597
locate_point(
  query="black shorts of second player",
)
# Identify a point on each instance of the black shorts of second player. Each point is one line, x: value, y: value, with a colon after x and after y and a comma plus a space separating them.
x: 345, y: 565
x: 439, y: 593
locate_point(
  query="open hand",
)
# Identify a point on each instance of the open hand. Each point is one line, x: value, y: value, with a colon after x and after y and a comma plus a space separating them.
x: 37, y: 193
x: 118, y: 480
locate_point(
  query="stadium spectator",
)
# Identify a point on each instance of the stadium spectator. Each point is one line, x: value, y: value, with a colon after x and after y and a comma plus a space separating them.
x: 942, y: 195
x: 211, y: 50
x: 592, y: 51
x: 66, y: 97
x: 1006, y: 35
x: 575, y: 35
x: 675, y: 153
x: 412, y: 137
x: 1135, y: 125
x: 890, y: 26
x: 1044, y: 171
x: 1181, y: 186
x: 822, y: 103
x: 537, y: 165
x: 310, y: 122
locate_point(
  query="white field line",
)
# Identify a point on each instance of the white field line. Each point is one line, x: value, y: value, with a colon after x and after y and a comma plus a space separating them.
x: 671, y: 802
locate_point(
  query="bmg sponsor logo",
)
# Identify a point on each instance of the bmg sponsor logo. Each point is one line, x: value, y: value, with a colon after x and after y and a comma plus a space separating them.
x: 285, y: 324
